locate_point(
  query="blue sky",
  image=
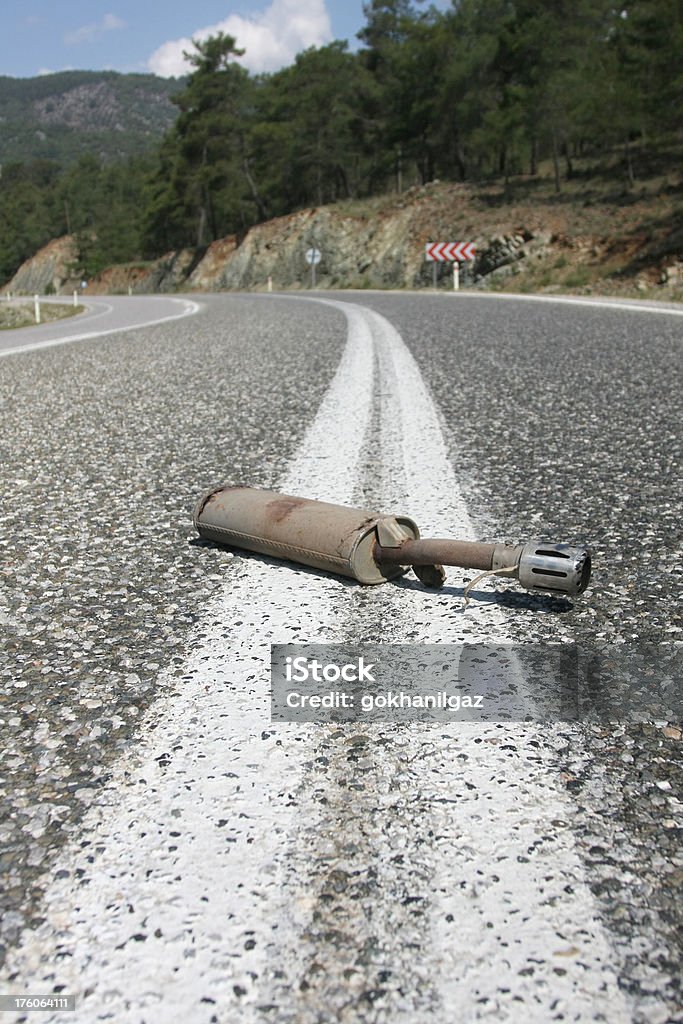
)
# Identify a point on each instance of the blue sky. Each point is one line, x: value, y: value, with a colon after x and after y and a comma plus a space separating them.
x: 137, y: 35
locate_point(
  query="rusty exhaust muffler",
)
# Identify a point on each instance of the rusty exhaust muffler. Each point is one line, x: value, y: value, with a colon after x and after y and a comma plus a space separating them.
x: 371, y: 547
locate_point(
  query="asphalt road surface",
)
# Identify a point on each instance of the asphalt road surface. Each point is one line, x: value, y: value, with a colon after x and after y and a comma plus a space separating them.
x: 102, y: 316
x: 169, y: 853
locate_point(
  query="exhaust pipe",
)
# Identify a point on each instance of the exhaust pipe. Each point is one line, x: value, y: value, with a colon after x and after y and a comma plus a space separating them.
x: 554, y: 567
x: 373, y: 548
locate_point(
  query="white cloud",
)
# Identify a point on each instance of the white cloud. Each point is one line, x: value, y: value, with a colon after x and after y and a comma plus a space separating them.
x: 51, y: 71
x: 271, y: 39
x: 88, y: 33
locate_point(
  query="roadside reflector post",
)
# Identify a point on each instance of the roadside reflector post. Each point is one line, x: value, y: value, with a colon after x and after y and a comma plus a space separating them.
x: 313, y: 258
x: 372, y: 547
x: 75, y: 298
x: 456, y: 276
x: 36, y: 308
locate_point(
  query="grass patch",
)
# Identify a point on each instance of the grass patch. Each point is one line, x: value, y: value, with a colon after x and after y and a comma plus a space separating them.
x: 578, y: 278
x: 15, y: 315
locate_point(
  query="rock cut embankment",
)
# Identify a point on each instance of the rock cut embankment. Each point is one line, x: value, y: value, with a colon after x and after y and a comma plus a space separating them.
x: 544, y: 245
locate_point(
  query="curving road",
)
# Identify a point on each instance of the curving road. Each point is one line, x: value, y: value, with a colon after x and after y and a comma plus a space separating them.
x: 167, y: 850
x: 102, y: 316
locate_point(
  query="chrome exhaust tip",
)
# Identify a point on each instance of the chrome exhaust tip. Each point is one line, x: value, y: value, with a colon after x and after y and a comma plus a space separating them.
x: 555, y: 568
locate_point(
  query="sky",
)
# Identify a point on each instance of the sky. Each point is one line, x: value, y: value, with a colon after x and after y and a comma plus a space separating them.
x: 41, y: 36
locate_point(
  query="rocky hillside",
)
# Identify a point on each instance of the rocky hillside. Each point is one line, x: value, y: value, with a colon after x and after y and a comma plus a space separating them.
x: 626, y: 244
x: 49, y: 271
x: 59, y: 117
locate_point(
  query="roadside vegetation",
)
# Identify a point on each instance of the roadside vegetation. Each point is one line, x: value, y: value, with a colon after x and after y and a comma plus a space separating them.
x: 23, y: 314
x: 582, y: 95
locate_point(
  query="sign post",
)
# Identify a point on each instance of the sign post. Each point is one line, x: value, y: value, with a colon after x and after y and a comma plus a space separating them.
x: 449, y: 252
x: 313, y: 258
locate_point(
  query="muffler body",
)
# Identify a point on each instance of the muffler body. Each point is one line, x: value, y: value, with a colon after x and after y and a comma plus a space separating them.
x: 316, y: 533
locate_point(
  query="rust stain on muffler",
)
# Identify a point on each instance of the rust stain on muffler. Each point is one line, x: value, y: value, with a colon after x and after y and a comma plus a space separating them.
x: 277, y: 511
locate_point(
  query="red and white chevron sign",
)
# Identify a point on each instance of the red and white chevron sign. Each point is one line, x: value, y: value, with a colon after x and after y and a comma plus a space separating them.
x: 443, y: 252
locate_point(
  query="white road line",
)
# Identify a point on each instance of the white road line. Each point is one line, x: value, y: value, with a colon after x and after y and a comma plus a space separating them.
x: 513, y: 923
x: 509, y: 911
x: 102, y: 308
x: 192, y: 850
x: 606, y: 303
x: 189, y: 309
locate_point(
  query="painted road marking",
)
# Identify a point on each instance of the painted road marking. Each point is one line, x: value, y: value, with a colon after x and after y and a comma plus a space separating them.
x: 189, y: 309
x: 631, y: 307
x: 502, y: 816
x: 510, y: 909
x: 199, y: 903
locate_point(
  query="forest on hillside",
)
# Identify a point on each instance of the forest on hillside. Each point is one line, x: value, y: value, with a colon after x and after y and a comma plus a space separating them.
x: 488, y: 88
x: 55, y: 116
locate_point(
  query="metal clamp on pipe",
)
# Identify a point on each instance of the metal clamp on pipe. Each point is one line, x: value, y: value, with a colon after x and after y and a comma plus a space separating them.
x: 371, y: 547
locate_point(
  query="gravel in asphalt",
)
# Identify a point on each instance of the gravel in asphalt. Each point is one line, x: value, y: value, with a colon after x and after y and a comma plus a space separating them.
x: 105, y: 447
x: 561, y: 421
x: 565, y: 422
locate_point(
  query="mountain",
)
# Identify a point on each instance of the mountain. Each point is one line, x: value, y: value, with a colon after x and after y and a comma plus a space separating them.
x: 62, y: 116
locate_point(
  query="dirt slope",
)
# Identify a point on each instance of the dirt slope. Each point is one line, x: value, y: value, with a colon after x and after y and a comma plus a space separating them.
x: 585, y: 239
